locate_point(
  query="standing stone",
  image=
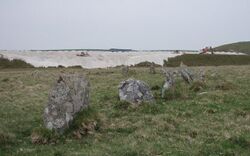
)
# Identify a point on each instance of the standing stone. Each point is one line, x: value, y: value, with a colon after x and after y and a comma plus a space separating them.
x: 201, y: 75
x: 69, y: 96
x: 36, y: 74
x: 187, y: 75
x: 135, y: 91
x: 152, y: 68
x: 182, y: 65
x: 214, y: 75
x: 169, y: 82
x: 125, y: 70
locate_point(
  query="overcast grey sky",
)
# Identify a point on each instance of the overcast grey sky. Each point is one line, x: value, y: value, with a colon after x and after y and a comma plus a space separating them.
x: 136, y: 24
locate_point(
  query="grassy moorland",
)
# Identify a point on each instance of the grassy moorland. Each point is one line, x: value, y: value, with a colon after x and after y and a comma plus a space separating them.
x: 212, y: 121
x: 239, y: 47
x: 208, y: 60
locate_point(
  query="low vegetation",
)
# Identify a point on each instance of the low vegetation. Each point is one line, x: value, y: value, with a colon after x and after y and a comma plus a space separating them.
x: 196, y: 119
x: 207, y: 60
x: 86, y: 122
x: 146, y: 64
x: 243, y: 47
x: 6, y: 138
x: 15, y: 63
x: 41, y: 135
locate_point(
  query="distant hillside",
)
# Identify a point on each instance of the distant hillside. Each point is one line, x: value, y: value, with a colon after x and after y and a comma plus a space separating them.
x: 238, y: 47
x: 16, y: 63
x: 208, y: 60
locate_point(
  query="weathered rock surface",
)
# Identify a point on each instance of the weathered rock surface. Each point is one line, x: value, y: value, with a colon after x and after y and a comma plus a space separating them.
x: 182, y: 65
x: 69, y: 96
x: 152, y: 68
x: 169, y: 82
x: 187, y: 75
x: 125, y: 70
x: 135, y: 91
x: 201, y: 75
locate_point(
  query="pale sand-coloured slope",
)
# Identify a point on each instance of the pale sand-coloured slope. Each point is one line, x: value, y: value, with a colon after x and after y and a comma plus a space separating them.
x: 95, y: 60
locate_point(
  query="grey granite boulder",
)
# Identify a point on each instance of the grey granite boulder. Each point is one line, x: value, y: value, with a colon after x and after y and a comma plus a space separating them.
x: 135, y: 91
x: 69, y: 96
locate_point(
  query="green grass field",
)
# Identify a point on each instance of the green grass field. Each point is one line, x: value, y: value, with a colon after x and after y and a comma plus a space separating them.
x: 189, y: 123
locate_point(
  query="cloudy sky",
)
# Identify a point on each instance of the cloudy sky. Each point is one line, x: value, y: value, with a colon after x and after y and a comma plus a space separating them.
x: 136, y: 24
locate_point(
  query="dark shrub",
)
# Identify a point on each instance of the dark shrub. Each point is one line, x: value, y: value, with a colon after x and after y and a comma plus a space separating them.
x: 224, y: 86
x: 146, y: 64
x: 197, y: 86
x: 16, y: 63
x: 156, y: 87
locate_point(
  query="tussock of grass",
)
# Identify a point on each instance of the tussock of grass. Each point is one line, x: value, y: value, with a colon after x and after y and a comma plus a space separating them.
x: 156, y: 87
x: 124, y: 130
x: 214, y: 149
x: 41, y: 135
x: 151, y: 108
x: 6, y: 138
x: 241, y: 113
x: 86, y: 122
x: 225, y: 86
x: 58, y: 153
x: 197, y: 86
x: 240, y: 141
x: 122, y: 105
x: 179, y: 91
x: 106, y: 97
x: 5, y: 80
x: 87, y: 115
x: 225, y: 147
